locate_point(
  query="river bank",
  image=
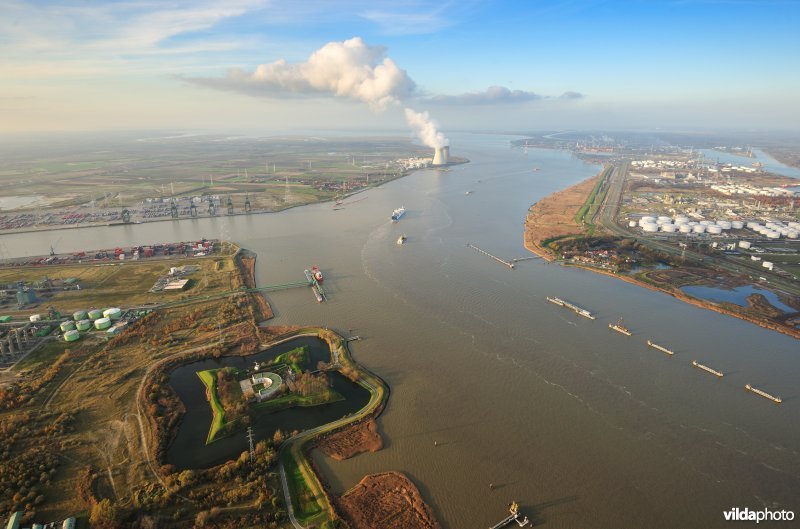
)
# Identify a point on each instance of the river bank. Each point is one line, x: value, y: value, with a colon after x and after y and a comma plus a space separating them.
x: 553, y: 218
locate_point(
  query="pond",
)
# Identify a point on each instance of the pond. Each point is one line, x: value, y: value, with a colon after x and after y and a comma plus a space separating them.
x: 189, y: 451
x: 736, y: 295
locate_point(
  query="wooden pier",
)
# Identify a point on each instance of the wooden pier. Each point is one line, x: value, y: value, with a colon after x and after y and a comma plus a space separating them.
x: 513, y: 516
x: 498, y: 259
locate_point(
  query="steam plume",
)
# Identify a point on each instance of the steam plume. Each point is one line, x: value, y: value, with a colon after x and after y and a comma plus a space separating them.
x: 426, y: 129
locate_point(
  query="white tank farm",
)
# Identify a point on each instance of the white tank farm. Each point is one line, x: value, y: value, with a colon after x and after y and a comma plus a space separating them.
x: 737, y: 224
x: 795, y: 225
x: 661, y: 221
x: 669, y: 228
x: 714, y: 229
x: 744, y: 244
x: 724, y: 224
x: 699, y: 228
x: 646, y: 220
x: 71, y: 336
x: 793, y: 234
x: 650, y: 227
x: 685, y: 228
x: 681, y: 219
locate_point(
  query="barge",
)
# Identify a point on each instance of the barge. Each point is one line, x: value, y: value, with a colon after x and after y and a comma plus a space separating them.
x: 707, y: 369
x: 660, y: 348
x: 776, y: 400
x: 620, y: 328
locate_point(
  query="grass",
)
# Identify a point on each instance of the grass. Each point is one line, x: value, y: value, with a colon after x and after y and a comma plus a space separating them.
x: 290, y: 401
x: 580, y: 216
x: 296, y: 359
x: 209, y: 379
x: 304, y: 501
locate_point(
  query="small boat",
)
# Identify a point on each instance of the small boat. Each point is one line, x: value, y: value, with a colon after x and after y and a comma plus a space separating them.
x: 468, y: 193
x: 317, y: 274
x: 402, y: 239
x: 620, y: 328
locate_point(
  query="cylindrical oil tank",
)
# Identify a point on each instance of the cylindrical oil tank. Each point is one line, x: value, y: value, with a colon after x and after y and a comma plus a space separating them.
x: 725, y: 224
x: 792, y: 234
x: 685, y: 228
x: 773, y: 235
x: 699, y: 228
x: 737, y: 224
x: 681, y: 219
x: 67, y: 326
x: 706, y: 222
x: 632, y: 223
x: 102, y: 323
x: 753, y: 224
x: 79, y: 315
x: 113, y: 313
x: 83, y: 325
x: 36, y: 317
x: 650, y: 228
x: 72, y: 335
x: 794, y: 225
x: 669, y: 228
x: 714, y: 229
x: 646, y: 220
x: 95, y: 314
x: 744, y: 244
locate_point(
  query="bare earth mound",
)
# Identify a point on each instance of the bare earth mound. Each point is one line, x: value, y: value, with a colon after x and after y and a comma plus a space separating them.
x: 386, y: 501
x: 554, y: 216
x: 361, y: 437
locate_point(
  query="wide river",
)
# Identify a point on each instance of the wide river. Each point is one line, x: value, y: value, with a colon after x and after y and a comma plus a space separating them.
x: 582, y: 426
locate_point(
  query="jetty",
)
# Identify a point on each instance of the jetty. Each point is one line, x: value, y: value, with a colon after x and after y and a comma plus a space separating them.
x: 498, y: 259
x: 707, y: 369
x: 776, y: 400
x: 513, y: 516
x: 660, y: 348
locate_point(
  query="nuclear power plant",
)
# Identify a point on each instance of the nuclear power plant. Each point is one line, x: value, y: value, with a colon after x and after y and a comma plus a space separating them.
x: 441, y: 156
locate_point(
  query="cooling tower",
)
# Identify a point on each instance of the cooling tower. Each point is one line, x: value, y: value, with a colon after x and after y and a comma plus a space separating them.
x: 440, y: 155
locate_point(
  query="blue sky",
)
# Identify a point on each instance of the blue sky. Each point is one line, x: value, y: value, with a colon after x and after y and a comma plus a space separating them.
x: 689, y: 64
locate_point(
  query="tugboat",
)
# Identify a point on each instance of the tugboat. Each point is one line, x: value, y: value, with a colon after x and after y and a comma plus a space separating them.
x: 317, y: 274
x: 402, y: 239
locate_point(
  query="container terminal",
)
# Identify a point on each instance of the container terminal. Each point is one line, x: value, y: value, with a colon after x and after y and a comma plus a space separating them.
x: 776, y: 400
x: 578, y: 310
x: 707, y: 369
x: 620, y: 328
x: 660, y: 348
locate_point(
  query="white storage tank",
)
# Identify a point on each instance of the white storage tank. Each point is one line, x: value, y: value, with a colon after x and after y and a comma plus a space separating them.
x: 36, y: 317
x: 685, y: 228
x: 112, y: 313
x: 662, y: 221
x: 699, y: 228
x: 664, y: 218
x: 646, y: 220
x: 724, y: 224
x: 753, y: 224
x: 792, y: 234
x: 706, y: 222
x: 773, y: 235
x: 692, y: 223
x: 744, y: 244
x: 767, y: 264
x: 650, y: 228
x: 794, y: 225
x: 102, y: 323
x: 714, y: 230
x: 681, y: 219
x: 669, y: 228
x: 737, y: 224
x: 631, y: 223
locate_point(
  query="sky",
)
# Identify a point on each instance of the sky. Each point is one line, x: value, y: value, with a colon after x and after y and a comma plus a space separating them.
x: 282, y: 65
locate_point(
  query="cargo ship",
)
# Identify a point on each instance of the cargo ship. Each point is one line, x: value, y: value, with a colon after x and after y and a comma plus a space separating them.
x: 660, y: 348
x: 317, y: 274
x: 580, y: 311
x: 402, y: 239
x: 707, y: 369
x: 620, y: 328
x: 776, y: 400
x: 399, y: 212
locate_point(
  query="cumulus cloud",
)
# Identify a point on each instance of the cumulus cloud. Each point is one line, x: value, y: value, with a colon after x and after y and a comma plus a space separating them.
x: 425, y: 128
x: 350, y: 69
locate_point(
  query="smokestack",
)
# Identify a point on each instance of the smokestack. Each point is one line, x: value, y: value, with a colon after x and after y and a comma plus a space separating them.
x: 441, y: 155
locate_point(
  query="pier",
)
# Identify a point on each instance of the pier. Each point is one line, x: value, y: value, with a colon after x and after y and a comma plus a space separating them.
x: 776, y: 400
x: 498, y: 259
x: 707, y: 369
x: 514, y: 516
x: 660, y: 348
